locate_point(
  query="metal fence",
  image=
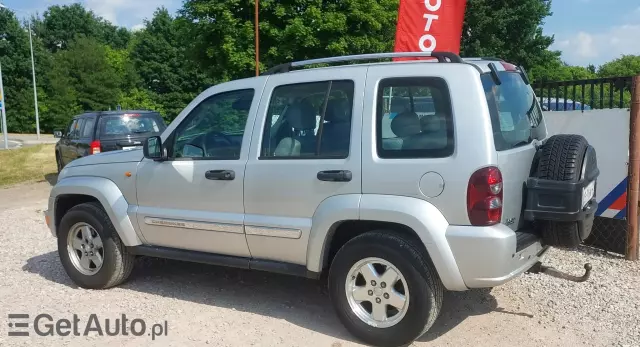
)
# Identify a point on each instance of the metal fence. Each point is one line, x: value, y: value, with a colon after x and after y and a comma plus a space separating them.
x: 605, y: 93
x: 601, y: 93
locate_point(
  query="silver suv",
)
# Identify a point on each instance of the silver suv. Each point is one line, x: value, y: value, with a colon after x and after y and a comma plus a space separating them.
x: 397, y: 180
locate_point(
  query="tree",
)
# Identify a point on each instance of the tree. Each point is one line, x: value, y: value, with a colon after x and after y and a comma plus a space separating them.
x: 81, y: 79
x: 16, y: 70
x: 61, y: 24
x: 222, y: 34
x: 158, y: 54
x: 556, y: 70
x: 509, y: 29
x: 627, y: 65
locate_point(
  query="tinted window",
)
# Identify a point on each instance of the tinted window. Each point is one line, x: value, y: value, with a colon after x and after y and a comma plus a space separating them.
x: 515, y: 112
x: 414, y: 118
x: 215, y: 128
x: 309, y: 120
x: 76, y: 128
x: 87, y: 131
x: 134, y: 124
x: 71, y: 128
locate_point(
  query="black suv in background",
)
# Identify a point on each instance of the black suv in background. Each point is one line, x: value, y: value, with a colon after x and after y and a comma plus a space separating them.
x: 95, y: 132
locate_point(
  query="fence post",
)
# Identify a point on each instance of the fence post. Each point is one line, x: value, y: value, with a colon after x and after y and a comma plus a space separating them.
x: 631, y: 252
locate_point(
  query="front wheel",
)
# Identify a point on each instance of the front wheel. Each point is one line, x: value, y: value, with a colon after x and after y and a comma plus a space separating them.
x: 90, y: 250
x: 384, y: 289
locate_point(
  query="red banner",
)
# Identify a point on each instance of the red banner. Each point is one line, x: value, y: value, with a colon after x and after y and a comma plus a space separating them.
x: 429, y: 25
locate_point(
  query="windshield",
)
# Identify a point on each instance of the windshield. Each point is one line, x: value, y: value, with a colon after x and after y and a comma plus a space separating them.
x: 515, y: 112
x: 130, y: 125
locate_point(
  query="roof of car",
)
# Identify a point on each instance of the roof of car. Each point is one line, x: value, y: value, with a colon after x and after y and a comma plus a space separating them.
x: 111, y: 113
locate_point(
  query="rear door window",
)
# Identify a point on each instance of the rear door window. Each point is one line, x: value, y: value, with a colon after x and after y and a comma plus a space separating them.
x: 87, y: 131
x: 134, y: 124
x: 71, y: 129
x: 515, y: 112
x: 77, y: 129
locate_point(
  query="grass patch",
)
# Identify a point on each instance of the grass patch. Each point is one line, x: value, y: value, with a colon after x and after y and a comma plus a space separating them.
x: 27, y: 164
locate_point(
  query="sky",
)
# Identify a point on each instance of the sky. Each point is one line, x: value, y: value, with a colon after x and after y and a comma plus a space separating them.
x: 586, y: 31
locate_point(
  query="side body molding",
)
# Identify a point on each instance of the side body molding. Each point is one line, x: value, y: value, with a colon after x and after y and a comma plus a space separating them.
x: 108, y: 194
x: 420, y: 215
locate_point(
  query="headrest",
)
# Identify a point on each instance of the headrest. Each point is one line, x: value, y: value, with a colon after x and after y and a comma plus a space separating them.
x: 301, y: 115
x: 406, y: 124
x: 433, y: 122
x: 338, y: 111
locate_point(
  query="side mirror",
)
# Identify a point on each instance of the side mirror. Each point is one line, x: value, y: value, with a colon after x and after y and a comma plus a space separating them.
x: 153, y: 149
x: 57, y: 134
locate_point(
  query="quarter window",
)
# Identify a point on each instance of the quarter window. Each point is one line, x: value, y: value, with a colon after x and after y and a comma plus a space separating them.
x: 215, y: 128
x: 309, y: 121
x: 414, y: 118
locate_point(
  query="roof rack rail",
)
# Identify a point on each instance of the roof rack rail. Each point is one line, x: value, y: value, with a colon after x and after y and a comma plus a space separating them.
x: 441, y: 56
x: 492, y: 58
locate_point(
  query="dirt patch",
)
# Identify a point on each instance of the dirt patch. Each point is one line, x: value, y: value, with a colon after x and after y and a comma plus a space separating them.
x: 216, y: 306
x: 24, y: 195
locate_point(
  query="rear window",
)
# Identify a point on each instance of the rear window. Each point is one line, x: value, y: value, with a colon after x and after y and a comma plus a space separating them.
x: 131, y: 124
x: 515, y: 112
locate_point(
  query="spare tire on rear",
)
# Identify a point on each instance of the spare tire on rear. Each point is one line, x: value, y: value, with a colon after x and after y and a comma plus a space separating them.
x: 565, y: 158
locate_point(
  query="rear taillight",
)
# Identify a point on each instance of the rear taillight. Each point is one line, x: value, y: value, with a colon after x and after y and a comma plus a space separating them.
x: 484, y: 197
x: 94, y: 147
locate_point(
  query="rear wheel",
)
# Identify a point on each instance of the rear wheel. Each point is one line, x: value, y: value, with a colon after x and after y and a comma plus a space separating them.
x: 565, y: 158
x: 59, y: 162
x: 384, y: 289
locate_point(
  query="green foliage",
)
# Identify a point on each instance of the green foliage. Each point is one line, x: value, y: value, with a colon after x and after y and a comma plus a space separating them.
x: 628, y: 65
x: 158, y: 55
x: 84, y: 62
x: 61, y: 24
x: 222, y: 33
x: 509, y: 29
x: 86, y: 67
x: 140, y: 99
x: 16, y: 70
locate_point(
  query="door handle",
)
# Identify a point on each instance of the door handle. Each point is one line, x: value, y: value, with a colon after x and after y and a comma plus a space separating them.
x: 335, y: 176
x: 220, y: 175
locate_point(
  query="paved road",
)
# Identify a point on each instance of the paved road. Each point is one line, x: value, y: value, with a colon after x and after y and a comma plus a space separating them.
x: 12, y: 144
x: 26, y: 140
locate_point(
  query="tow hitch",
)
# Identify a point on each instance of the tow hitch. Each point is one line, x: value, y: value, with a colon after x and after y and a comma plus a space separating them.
x: 548, y: 270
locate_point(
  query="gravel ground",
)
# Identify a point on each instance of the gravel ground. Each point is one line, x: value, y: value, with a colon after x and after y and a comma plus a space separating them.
x: 207, y: 305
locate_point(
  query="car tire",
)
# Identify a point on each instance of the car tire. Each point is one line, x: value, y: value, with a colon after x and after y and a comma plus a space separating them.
x: 562, y: 158
x: 89, y: 226
x: 417, y: 275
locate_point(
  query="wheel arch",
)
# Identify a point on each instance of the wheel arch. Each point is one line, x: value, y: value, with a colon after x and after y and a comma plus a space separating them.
x: 339, y: 220
x: 72, y: 191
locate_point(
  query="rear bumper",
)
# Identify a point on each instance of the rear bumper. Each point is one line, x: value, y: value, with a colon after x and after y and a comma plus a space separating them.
x: 491, y: 256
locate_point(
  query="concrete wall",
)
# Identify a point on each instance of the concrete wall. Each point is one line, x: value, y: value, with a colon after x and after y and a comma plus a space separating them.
x: 608, y: 132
